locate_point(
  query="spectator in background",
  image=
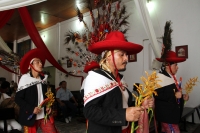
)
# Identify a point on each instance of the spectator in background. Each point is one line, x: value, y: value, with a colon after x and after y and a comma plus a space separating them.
x: 12, y: 123
x: 9, y: 89
x: 12, y: 84
x: 15, y: 86
x: 63, y: 96
x: 59, y: 86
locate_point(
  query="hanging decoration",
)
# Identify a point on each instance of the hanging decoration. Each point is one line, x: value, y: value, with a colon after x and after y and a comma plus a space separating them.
x: 9, y: 59
x: 108, y: 18
x: 5, y: 16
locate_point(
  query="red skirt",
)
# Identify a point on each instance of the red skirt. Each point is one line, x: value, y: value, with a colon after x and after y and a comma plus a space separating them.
x: 47, y: 127
x: 170, y: 128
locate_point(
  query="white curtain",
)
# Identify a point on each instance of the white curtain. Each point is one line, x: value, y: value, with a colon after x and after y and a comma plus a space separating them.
x: 11, y: 4
x: 4, y: 46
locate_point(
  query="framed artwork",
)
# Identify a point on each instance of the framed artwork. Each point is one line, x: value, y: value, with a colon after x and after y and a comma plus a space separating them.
x: 132, y: 58
x: 23, y: 47
x: 69, y: 64
x: 182, y: 51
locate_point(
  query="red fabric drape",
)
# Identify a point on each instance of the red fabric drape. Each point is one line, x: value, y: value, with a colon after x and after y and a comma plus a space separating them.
x: 35, y: 36
x: 8, y: 69
x: 5, y: 16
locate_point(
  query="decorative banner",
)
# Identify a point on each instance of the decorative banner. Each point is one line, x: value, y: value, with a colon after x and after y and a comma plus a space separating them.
x: 5, y: 16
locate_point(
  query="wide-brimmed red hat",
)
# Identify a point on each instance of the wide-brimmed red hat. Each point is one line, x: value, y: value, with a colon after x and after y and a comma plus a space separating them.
x: 115, y: 40
x: 171, y: 57
x: 91, y: 65
x: 25, y: 61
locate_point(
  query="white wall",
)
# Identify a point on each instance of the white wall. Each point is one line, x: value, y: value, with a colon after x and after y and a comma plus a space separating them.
x: 185, y: 18
x: 74, y: 83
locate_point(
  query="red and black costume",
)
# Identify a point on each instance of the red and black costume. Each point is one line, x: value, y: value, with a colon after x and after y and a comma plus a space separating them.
x: 168, y: 109
x: 103, y: 103
x: 30, y: 94
x: 106, y: 97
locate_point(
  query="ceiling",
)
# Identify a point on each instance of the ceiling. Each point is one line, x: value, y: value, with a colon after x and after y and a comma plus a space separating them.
x: 44, y: 15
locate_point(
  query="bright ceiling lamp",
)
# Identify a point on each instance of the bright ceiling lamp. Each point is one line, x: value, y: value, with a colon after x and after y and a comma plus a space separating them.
x: 150, y: 5
x: 12, y: 4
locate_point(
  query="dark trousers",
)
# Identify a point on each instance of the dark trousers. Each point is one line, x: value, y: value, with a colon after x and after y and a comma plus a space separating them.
x: 69, y: 109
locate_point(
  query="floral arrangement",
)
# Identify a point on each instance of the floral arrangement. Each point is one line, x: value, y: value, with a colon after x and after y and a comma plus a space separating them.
x: 105, y: 18
x: 145, y: 91
x: 49, y: 103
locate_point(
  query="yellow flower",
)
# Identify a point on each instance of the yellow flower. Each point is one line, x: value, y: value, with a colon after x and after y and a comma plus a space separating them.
x: 190, y: 84
x: 50, y: 95
x: 148, y: 88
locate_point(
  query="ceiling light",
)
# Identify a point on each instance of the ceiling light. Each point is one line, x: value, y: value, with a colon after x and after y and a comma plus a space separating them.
x: 150, y: 5
x: 78, y: 4
x: 42, y: 19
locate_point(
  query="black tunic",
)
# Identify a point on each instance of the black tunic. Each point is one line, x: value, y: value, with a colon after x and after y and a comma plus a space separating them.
x: 27, y: 99
x: 106, y: 113
x: 167, y: 109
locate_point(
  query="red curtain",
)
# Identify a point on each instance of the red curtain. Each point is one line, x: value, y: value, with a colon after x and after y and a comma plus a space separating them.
x: 35, y: 36
x: 5, y: 16
x: 8, y: 69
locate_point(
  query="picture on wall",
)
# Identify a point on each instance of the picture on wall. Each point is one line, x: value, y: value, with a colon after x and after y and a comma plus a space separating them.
x: 23, y: 47
x: 132, y: 58
x: 69, y: 64
x: 182, y: 51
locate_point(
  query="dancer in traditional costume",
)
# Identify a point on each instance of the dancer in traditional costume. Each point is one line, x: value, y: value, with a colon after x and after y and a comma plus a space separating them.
x: 107, y: 100
x: 31, y: 93
x: 169, y: 101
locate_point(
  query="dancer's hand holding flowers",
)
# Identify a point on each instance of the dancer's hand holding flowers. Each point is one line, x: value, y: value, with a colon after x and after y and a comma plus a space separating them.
x: 185, y: 97
x: 133, y: 113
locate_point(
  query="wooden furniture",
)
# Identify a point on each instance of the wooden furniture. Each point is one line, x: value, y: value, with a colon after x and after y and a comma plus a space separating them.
x: 187, y: 111
x: 197, y: 109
